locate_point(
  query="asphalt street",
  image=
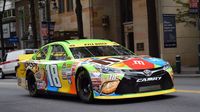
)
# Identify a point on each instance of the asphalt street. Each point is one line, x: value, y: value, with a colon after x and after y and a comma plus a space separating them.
x: 186, y: 99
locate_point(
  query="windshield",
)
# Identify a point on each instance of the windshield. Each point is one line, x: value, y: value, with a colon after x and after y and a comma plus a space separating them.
x: 96, y: 51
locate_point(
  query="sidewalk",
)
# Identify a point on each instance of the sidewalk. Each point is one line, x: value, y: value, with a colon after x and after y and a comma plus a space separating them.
x: 188, y: 72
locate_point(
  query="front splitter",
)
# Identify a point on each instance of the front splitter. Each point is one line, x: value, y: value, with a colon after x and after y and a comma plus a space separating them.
x: 137, y: 95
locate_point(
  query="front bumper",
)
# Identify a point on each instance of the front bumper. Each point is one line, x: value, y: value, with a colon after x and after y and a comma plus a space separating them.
x: 134, y: 85
x: 137, y: 95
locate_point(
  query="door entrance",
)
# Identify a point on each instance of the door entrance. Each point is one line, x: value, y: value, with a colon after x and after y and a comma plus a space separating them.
x: 130, y: 41
x: 129, y: 37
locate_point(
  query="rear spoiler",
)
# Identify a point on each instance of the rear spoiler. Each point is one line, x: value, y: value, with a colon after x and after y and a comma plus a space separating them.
x: 25, y: 57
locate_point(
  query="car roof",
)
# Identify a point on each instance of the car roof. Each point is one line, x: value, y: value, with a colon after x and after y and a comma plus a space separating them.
x: 86, y: 42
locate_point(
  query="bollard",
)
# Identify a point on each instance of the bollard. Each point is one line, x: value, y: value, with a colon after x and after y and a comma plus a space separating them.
x: 178, y: 64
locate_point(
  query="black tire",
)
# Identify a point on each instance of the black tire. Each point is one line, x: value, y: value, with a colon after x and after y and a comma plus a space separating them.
x: 2, y: 76
x: 32, y: 87
x: 84, y: 87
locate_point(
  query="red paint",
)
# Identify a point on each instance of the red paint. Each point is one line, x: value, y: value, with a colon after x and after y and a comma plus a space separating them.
x: 11, y: 61
x: 138, y: 64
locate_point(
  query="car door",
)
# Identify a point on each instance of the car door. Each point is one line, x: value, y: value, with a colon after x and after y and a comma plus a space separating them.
x: 58, y: 70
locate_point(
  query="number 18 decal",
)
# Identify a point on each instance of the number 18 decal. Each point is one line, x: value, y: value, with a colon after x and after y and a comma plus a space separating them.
x: 52, y: 73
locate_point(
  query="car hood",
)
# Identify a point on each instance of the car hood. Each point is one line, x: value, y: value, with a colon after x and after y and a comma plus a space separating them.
x: 130, y: 62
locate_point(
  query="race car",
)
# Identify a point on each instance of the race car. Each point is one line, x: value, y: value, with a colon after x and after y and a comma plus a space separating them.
x: 94, y: 69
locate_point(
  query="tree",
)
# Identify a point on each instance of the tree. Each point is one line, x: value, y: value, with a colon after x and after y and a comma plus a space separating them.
x: 183, y: 15
x: 1, y: 28
x: 79, y: 19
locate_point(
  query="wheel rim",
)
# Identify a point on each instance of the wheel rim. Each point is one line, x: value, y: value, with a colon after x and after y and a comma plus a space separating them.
x: 84, y: 86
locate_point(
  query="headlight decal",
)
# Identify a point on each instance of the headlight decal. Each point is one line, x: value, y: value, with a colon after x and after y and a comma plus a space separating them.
x: 105, y: 84
x: 107, y: 69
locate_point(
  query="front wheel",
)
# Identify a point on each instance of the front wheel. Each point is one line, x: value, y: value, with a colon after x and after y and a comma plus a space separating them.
x: 84, y: 87
x: 32, y: 87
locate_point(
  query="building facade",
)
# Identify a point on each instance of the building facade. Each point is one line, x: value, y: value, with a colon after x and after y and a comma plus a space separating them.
x: 187, y: 33
x: 147, y: 27
x: 23, y: 23
x: 11, y: 41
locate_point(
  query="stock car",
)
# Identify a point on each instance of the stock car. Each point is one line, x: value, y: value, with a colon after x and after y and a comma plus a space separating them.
x: 94, y: 69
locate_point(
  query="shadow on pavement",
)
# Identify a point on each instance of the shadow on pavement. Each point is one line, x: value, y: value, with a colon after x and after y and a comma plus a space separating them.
x: 134, y: 100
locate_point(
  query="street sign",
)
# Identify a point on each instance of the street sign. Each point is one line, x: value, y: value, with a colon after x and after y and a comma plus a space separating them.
x: 169, y: 29
x: 13, y: 39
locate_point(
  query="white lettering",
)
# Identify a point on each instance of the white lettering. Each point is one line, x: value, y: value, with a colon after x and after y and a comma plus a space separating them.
x: 149, y: 79
x: 52, y: 73
x: 138, y: 63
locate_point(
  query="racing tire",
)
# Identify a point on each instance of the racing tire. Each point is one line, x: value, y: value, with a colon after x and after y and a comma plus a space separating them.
x: 2, y: 76
x: 84, y: 87
x: 32, y: 87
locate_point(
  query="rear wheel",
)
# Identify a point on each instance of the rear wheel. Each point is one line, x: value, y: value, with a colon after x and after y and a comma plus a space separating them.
x: 84, y: 87
x: 2, y: 76
x: 32, y: 87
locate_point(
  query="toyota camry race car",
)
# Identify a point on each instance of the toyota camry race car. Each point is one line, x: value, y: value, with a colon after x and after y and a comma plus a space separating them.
x: 94, y: 69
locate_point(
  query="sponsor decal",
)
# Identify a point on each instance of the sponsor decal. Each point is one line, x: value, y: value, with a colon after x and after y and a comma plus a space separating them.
x: 31, y: 65
x: 95, y: 74
x: 138, y: 64
x: 149, y: 79
x: 74, y: 66
x: 108, y: 61
x: 66, y: 73
x: 41, y: 84
x: 96, y: 82
x: 109, y: 87
x: 112, y: 77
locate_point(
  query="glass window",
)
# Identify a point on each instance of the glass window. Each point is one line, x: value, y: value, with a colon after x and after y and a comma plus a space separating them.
x: 61, y: 6
x: 9, y: 13
x: 13, y: 12
x: 69, y: 5
x: 4, y: 58
x: 41, y: 55
x: 5, y: 14
x: 58, y: 53
x: 126, y: 10
x: 95, y: 51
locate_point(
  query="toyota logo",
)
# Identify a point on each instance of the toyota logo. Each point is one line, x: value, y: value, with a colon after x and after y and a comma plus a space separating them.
x: 147, y: 73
